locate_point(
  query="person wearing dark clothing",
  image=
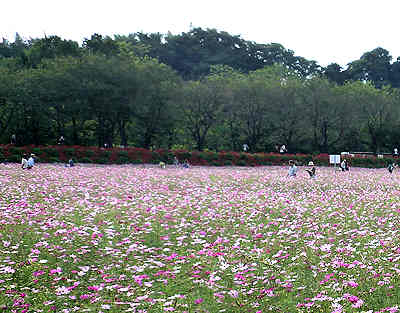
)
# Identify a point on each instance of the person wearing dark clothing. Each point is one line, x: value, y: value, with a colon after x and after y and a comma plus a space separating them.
x: 312, y: 170
x: 344, y: 166
x: 391, y: 167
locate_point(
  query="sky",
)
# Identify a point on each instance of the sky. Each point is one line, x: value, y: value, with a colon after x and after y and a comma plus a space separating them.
x: 326, y: 31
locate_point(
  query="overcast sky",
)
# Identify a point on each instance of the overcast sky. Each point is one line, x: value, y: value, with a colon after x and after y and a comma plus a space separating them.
x: 326, y: 31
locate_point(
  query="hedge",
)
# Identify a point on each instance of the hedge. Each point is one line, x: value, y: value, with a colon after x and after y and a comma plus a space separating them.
x: 131, y: 155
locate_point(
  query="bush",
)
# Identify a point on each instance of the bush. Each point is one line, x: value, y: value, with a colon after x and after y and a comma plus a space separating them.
x: 89, y: 153
x: 122, y: 160
x: 84, y: 160
x: 182, y: 154
x: 69, y: 152
x: 139, y: 156
x: 51, y: 152
x: 123, y: 154
x: 53, y: 160
x: 37, y: 151
x: 166, y: 156
x: 209, y: 156
x: 14, y: 158
x: 101, y: 161
x: 243, y: 156
x: 241, y: 163
x: 16, y: 151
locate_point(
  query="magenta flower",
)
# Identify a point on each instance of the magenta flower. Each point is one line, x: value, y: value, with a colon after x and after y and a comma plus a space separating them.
x: 198, y: 301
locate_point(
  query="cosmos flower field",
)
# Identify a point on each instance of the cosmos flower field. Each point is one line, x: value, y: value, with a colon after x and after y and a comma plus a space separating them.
x: 140, y: 239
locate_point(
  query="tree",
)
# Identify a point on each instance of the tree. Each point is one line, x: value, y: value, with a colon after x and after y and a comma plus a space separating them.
x: 155, y: 111
x: 254, y: 98
x: 202, y: 103
x: 50, y: 48
x: 97, y: 44
x: 373, y: 66
x: 325, y: 114
x: 335, y: 73
x: 289, y: 114
x: 378, y: 112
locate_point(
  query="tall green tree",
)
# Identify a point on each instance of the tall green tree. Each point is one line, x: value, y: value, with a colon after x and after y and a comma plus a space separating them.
x: 202, y: 104
x: 155, y: 112
x: 373, y: 66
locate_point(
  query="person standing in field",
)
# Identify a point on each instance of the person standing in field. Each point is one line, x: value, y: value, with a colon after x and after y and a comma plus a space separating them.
x: 312, y: 170
x: 61, y: 140
x: 176, y: 161
x: 186, y: 164
x: 292, y: 169
x: 344, y: 166
x: 24, y: 162
x: 391, y: 167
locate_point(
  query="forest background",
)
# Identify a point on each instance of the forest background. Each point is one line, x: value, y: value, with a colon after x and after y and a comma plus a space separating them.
x: 203, y: 89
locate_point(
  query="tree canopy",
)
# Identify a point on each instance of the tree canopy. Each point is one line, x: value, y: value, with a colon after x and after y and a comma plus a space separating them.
x: 203, y: 89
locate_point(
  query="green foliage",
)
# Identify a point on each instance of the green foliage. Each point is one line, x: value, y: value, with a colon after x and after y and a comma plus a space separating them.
x: 128, y: 90
x: 69, y: 152
x: 51, y: 152
x: 16, y: 151
x: 241, y: 163
x: 85, y: 160
x: 53, y: 159
x: 123, y: 154
x: 122, y: 160
x: 101, y: 160
x: 209, y: 156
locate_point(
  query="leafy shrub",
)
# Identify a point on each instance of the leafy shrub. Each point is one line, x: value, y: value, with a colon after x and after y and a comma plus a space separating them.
x: 89, y: 153
x: 122, y: 160
x: 104, y: 154
x: 155, y: 156
x: 14, y: 158
x: 167, y: 156
x: 51, y: 152
x: 226, y: 156
x: 53, y: 160
x: 101, y: 161
x: 241, y: 163
x: 209, y: 156
x: 84, y: 160
x: 123, y: 154
x: 182, y: 154
x: 16, y: 151
x: 69, y: 152
x: 243, y: 156
x: 37, y: 151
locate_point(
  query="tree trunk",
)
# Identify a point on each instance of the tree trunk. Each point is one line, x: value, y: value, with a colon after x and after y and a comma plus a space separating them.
x: 75, y: 138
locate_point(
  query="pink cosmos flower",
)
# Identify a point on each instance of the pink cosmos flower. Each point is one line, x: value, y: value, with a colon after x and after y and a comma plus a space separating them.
x: 198, y: 301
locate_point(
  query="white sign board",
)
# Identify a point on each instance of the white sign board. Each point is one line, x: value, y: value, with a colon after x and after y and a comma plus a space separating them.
x: 334, y: 158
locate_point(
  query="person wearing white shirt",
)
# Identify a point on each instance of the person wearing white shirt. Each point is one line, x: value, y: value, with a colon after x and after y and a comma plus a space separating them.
x: 24, y: 162
x: 31, y: 161
x: 292, y: 169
